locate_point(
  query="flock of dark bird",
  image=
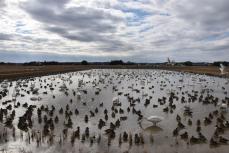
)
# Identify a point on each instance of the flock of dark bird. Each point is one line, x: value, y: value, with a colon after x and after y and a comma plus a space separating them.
x: 32, y: 109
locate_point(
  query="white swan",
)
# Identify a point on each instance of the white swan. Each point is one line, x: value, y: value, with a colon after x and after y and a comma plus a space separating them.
x: 153, y: 119
x: 223, y: 107
x: 222, y: 69
x: 35, y: 98
x: 115, y: 100
x: 78, y: 95
x: 4, y: 85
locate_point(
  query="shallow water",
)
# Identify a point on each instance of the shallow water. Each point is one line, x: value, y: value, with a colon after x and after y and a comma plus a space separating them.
x: 124, y: 81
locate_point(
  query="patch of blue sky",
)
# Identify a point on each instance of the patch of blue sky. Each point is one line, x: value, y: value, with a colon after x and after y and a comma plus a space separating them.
x: 217, y: 37
x: 134, y: 23
x: 21, y: 56
x: 164, y: 14
x: 20, y: 24
x: 138, y: 13
x: 146, y: 29
x: 23, y: 31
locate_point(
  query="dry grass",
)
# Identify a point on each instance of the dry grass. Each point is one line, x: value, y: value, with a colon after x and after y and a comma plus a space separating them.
x: 208, y: 70
x: 20, y: 71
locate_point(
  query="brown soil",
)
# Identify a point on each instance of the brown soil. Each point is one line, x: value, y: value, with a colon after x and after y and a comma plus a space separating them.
x: 20, y: 71
x: 207, y: 70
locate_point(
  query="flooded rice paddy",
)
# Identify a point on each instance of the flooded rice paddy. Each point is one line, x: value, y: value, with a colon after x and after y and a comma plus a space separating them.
x: 106, y: 111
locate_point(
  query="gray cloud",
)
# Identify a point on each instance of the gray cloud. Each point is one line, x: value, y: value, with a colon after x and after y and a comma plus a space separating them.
x: 208, y: 14
x: 146, y: 30
x: 83, y: 24
x: 53, y: 3
x: 79, y: 18
x: 2, y: 3
x: 5, y: 36
x: 75, y: 23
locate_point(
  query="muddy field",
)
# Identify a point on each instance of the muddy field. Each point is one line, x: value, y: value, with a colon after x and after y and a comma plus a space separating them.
x: 109, y: 110
x: 20, y: 71
x: 207, y: 70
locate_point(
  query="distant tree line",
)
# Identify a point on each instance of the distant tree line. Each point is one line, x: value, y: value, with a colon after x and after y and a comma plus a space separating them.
x: 217, y: 63
x: 114, y: 62
x: 117, y: 62
x: 35, y: 63
x: 188, y: 63
x: 3, y: 63
x: 84, y: 62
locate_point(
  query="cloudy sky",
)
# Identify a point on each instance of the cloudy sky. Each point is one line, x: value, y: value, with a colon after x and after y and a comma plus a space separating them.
x: 103, y: 30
